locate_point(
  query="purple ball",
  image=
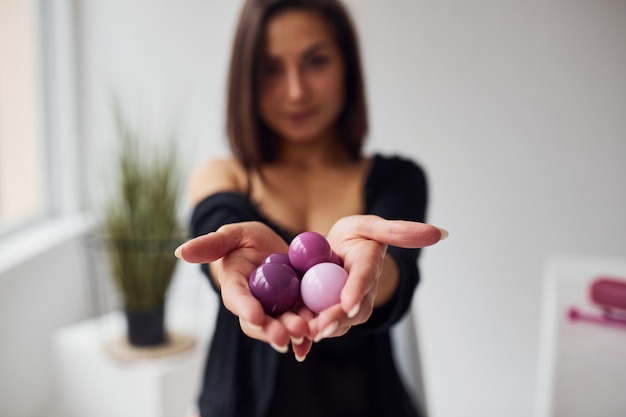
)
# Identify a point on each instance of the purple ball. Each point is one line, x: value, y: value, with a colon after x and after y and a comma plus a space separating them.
x: 308, y: 249
x: 321, y: 286
x: 276, y: 286
x: 277, y: 258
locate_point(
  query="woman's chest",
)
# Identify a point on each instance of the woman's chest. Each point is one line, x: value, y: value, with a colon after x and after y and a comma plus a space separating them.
x: 311, y: 201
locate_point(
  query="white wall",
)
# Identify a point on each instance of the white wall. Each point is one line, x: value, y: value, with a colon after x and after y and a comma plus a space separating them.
x: 42, y: 287
x: 166, y: 61
x: 516, y: 110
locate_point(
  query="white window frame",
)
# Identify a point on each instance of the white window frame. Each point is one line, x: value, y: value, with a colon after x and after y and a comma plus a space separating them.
x: 61, y: 148
x: 57, y: 20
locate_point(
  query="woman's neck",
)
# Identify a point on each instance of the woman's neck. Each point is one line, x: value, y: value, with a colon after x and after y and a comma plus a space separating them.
x: 311, y: 155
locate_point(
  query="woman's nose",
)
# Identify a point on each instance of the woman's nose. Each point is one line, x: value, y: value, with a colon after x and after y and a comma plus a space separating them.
x: 295, y: 85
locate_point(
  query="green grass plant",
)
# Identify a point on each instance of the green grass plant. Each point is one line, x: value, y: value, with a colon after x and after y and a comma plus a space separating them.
x: 140, y: 227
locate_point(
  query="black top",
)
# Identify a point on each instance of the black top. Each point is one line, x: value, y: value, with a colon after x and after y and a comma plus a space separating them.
x: 352, y: 375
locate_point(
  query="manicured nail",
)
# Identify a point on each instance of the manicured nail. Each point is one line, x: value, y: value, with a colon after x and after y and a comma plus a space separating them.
x: 255, y: 327
x: 300, y: 358
x: 327, y: 331
x: 179, y: 251
x: 297, y: 340
x: 444, y: 233
x: 279, y: 349
x: 354, y: 311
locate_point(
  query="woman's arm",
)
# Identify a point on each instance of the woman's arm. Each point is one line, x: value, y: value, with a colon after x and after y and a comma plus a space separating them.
x: 397, y: 189
x: 229, y: 244
x: 214, y: 176
x: 209, y: 178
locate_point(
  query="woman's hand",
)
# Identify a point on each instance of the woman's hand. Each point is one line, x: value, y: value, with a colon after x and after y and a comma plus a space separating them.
x: 237, y: 249
x: 361, y: 241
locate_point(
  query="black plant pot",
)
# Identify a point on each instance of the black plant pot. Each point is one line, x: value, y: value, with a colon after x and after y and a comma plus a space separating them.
x: 146, y: 328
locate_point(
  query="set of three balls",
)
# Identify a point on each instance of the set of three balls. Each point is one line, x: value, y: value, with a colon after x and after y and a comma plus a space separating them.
x: 310, y: 270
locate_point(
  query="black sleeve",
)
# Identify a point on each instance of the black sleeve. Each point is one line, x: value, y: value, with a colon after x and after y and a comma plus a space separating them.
x: 397, y: 190
x: 217, y: 210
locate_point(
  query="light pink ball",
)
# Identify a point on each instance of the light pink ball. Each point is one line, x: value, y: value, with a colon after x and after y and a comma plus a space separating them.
x: 321, y: 285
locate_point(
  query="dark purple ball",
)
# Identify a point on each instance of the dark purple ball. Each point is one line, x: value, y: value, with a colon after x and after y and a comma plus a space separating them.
x: 276, y: 286
x: 277, y: 258
x: 308, y: 249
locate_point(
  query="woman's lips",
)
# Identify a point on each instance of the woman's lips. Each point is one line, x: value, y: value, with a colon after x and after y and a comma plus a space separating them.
x: 300, y: 116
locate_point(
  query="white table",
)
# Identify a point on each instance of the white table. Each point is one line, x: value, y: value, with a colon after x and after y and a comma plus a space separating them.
x: 581, y: 364
x: 91, y: 383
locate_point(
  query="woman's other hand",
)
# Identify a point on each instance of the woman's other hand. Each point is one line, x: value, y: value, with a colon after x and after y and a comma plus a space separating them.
x: 361, y: 241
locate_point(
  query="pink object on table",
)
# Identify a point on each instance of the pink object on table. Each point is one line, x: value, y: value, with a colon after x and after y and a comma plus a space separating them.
x: 609, y: 293
x: 575, y: 314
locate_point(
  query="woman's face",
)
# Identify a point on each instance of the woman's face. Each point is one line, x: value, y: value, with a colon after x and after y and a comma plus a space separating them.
x: 301, y: 77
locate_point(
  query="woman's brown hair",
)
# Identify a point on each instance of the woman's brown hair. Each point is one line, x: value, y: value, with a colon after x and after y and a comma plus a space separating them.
x: 251, y: 141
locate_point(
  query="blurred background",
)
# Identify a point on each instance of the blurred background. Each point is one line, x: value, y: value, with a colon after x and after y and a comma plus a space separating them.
x: 516, y: 110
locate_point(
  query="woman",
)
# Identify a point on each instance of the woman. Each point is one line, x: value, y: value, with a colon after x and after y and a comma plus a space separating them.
x: 296, y: 123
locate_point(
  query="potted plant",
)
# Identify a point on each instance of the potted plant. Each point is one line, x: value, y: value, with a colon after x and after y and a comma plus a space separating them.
x: 139, y: 230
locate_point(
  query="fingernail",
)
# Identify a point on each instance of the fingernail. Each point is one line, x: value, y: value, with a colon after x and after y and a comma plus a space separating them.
x: 300, y: 358
x: 444, y: 233
x: 255, y: 327
x: 279, y: 349
x: 354, y: 311
x: 330, y: 329
x: 327, y: 331
x: 297, y: 340
x: 179, y: 251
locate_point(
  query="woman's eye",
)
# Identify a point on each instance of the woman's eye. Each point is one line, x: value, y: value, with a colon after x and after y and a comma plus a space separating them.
x: 319, y: 61
x: 271, y: 70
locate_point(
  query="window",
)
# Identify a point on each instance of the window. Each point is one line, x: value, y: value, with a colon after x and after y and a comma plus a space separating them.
x: 22, y: 188
x: 37, y: 133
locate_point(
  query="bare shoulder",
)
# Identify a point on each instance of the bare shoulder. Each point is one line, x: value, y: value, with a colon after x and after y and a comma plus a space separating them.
x: 215, y: 175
